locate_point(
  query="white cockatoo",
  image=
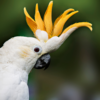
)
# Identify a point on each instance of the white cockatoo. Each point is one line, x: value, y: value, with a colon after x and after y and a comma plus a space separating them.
x: 20, y: 54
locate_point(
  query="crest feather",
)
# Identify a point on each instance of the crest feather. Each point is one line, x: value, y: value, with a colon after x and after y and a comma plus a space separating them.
x: 59, y: 26
x: 48, y: 18
x: 38, y: 19
x: 79, y: 24
x: 65, y: 13
x: 31, y: 23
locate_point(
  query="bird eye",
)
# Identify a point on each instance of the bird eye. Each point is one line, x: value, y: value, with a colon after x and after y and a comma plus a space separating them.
x: 37, y: 49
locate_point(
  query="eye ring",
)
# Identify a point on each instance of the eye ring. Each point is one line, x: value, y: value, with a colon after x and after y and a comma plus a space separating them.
x: 37, y: 49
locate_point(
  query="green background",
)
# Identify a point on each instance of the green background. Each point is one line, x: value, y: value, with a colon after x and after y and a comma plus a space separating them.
x: 76, y: 61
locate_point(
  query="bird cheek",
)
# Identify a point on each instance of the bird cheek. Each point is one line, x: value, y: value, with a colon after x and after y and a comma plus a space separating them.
x: 25, y: 52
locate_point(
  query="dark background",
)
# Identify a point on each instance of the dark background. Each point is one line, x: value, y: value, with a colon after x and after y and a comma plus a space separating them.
x: 76, y: 62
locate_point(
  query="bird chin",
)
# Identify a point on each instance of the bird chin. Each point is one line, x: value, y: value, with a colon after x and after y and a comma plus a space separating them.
x: 43, y: 62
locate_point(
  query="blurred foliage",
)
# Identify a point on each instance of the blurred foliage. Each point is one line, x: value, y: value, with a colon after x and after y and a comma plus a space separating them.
x: 77, y: 60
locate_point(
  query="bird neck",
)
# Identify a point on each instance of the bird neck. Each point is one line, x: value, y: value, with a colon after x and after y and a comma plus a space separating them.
x: 13, y: 70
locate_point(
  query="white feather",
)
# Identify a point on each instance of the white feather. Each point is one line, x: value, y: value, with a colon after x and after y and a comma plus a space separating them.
x: 13, y: 83
x: 14, y: 69
x: 42, y: 35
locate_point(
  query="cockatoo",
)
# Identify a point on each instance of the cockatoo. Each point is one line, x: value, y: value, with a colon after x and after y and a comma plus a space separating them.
x: 19, y: 55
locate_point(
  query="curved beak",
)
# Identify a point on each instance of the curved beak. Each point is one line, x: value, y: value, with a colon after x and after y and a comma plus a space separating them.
x: 43, y: 62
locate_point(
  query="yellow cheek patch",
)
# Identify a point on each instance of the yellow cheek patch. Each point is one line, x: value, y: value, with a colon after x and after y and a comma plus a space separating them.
x: 25, y: 52
x: 47, y: 25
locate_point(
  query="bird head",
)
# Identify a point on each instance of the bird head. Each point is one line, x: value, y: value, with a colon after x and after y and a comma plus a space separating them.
x: 33, y: 52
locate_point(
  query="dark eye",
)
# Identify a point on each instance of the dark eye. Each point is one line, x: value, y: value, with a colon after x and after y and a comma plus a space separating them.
x: 37, y: 49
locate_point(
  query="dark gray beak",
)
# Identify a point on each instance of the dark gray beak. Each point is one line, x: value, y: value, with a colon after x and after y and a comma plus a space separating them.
x: 43, y: 62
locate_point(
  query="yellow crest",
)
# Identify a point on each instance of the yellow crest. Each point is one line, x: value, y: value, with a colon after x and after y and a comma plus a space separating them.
x: 47, y: 25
